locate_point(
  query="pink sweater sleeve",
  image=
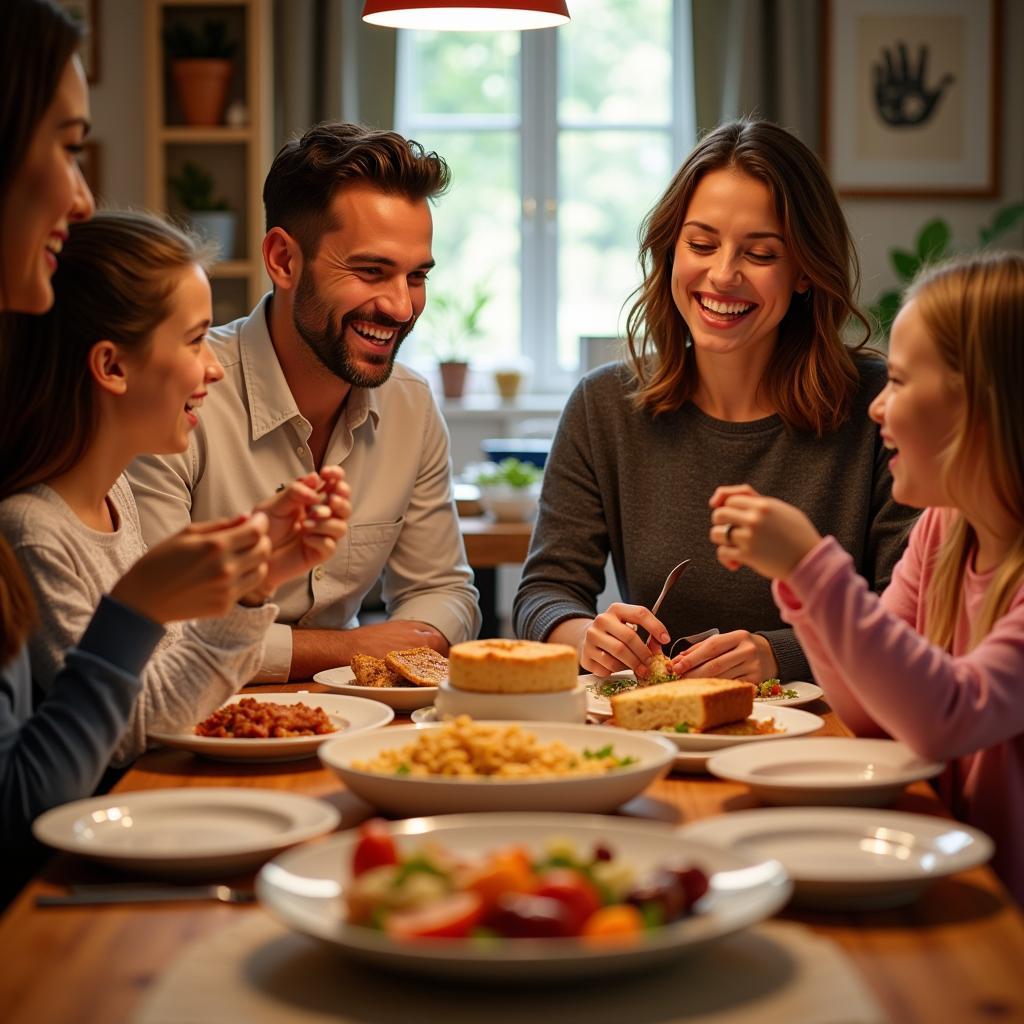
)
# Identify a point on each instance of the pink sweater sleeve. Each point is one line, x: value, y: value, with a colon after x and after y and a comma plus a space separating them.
x: 880, y: 672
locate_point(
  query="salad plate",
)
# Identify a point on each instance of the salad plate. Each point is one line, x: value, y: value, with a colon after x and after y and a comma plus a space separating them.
x: 849, y: 858
x: 398, y: 698
x: 831, y: 770
x: 188, y: 832
x: 792, y: 721
x: 599, y: 689
x: 305, y: 889
x: 346, y: 714
x: 649, y: 758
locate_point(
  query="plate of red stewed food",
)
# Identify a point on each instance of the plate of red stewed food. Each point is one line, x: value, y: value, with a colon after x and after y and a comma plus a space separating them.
x: 276, y: 726
x: 510, y: 896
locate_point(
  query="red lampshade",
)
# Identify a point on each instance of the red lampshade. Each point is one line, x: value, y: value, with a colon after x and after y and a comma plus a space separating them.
x: 469, y: 16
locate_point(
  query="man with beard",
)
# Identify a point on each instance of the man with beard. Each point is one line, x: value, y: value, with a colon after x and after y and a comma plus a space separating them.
x: 311, y: 379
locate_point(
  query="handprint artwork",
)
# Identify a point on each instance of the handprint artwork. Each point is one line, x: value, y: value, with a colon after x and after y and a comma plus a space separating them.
x: 902, y: 96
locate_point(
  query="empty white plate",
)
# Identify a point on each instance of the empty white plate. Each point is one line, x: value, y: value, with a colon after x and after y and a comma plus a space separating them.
x: 400, y: 698
x: 849, y: 858
x: 346, y: 714
x: 831, y: 770
x: 190, y: 832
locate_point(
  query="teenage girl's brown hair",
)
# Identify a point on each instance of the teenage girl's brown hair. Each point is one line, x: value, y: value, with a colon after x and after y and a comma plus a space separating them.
x: 36, y: 43
x: 308, y: 171
x: 812, y: 376
x: 973, y: 310
x: 115, y: 279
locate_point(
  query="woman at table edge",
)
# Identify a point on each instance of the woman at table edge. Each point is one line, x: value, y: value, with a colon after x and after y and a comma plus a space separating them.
x: 736, y: 364
x: 58, y: 750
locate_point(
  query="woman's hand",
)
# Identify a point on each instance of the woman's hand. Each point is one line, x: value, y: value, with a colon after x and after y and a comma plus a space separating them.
x: 307, y: 519
x: 202, y: 571
x: 735, y: 655
x: 765, y: 534
x: 611, y: 642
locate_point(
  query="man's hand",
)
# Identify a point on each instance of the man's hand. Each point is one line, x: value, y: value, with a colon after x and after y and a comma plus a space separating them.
x: 307, y: 519
x: 765, y: 534
x: 202, y: 571
x: 736, y: 655
x: 314, y: 650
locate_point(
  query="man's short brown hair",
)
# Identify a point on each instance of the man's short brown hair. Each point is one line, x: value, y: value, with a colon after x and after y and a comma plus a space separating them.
x: 307, y: 172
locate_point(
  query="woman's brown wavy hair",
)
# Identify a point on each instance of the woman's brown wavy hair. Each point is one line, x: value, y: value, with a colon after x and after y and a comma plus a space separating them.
x: 36, y: 43
x: 812, y: 376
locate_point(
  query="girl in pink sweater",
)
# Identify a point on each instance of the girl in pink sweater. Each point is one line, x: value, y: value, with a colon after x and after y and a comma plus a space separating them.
x: 938, y: 660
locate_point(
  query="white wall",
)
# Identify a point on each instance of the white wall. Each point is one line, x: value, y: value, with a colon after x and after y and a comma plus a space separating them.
x: 118, y: 101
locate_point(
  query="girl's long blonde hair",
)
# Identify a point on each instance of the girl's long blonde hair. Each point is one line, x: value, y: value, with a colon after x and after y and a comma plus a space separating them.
x: 973, y: 309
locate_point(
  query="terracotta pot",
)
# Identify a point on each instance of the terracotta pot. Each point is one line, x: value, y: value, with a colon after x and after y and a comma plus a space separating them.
x: 201, y: 86
x: 453, y: 379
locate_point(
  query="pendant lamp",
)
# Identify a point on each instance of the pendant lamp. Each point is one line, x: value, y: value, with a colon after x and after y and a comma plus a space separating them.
x: 469, y: 16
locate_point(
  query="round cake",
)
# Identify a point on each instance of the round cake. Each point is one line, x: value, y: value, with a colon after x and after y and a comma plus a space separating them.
x: 512, y: 666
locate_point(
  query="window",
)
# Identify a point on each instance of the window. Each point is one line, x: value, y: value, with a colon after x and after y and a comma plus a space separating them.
x: 559, y: 141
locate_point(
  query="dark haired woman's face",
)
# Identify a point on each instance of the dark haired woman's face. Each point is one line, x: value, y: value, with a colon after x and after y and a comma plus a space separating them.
x: 46, y: 194
x: 733, y: 277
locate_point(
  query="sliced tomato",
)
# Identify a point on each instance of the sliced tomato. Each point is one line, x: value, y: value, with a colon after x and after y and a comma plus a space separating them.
x: 573, y: 891
x: 453, y: 917
x: 375, y: 847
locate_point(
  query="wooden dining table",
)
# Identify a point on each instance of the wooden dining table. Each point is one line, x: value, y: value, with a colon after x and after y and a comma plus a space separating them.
x: 955, y: 955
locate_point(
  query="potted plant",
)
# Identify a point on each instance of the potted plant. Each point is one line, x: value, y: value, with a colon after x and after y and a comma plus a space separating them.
x: 509, y: 489
x: 211, y: 218
x: 201, y: 69
x: 932, y: 245
x: 456, y: 330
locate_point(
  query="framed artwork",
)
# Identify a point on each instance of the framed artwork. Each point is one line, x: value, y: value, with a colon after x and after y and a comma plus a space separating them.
x: 87, y: 14
x: 910, y: 96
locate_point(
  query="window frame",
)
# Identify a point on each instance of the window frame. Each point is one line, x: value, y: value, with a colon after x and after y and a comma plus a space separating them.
x: 539, y: 129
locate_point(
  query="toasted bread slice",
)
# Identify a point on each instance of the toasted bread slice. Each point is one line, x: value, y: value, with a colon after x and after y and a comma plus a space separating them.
x: 371, y: 671
x: 701, y: 703
x: 420, y: 665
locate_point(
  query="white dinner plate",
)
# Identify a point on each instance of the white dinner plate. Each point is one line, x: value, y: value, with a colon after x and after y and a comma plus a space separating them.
x: 408, y: 794
x: 190, y: 832
x: 399, y: 698
x: 848, y: 858
x: 424, y: 715
x: 347, y: 715
x: 601, y: 707
x: 834, y: 770
x: 303, y: 889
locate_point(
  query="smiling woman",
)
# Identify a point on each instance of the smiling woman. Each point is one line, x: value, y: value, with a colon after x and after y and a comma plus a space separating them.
x: 737, y: 371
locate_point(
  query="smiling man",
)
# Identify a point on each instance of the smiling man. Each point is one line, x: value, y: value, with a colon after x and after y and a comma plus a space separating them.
x: 311, y: 379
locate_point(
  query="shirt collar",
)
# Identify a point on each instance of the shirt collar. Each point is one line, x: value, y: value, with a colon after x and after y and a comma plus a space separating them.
x: 271, y: 402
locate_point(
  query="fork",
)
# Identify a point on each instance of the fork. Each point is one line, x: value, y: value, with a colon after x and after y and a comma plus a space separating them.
x: 124, y: 892
x: 670, y: 581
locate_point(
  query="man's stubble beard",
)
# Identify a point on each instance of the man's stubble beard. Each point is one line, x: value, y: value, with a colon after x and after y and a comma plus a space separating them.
x: 318, y: 328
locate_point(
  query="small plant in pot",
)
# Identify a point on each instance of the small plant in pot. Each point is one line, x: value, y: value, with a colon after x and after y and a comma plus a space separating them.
x: 456, y: 331
x: 508, y: 489
x: 201, y: 67
x: 212, y: 218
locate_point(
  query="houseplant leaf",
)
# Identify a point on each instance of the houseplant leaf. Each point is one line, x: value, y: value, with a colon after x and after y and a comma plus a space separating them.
x: 906, y: 263
x: 933, y: 241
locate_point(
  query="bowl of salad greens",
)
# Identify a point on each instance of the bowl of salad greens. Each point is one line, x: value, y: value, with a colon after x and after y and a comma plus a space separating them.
x: 509, y: 490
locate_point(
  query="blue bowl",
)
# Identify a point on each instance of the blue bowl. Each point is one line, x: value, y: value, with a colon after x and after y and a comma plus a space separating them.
x: 525, y: 449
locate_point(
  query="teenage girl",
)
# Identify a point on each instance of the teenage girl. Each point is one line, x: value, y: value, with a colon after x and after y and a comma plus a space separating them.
x: 938, y: 660
x: 118, y: 368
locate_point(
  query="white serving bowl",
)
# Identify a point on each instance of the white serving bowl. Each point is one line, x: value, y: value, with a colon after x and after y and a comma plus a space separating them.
x: 444, y: 794
x: 510, y: 504
x: 564, y: 706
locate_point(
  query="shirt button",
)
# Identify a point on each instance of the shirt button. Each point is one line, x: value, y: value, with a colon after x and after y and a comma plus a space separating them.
x: 318, y: 572
x: 300, y: 451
